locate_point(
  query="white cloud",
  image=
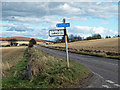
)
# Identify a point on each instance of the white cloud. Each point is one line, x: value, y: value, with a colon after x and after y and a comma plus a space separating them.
x: 86, y: 31
x: 113, y: 32
x: 91, y: 30
x: 8, y: 25
x: 99, y: 30
x: 27, y: 19
x: 68, y: 8
x: 83, y: 28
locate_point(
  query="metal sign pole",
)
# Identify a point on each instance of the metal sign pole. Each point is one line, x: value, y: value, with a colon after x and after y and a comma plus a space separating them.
x: 66, y: 44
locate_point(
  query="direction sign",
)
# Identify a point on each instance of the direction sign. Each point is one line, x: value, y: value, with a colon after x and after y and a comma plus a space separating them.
x: 56, y: 32
x: 63, y: 25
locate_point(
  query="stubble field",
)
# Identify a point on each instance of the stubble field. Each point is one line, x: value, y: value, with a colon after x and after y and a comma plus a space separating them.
x: 103, y: 45
x: 10, y: 57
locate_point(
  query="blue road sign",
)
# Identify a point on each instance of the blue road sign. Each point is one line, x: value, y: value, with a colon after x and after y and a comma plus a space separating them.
x: 63, y: 25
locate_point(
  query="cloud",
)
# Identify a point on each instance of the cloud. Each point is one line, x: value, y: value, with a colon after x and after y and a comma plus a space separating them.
x: 91, y: 30
x: 27, y: 11
x: 99, y: 30
x: 113, y: 32
x: 7, y: 25
x: 86, y: 31
x: 20, y: 29
x: 43, y: 16
x: 16, y: 27
x: 106, y: 22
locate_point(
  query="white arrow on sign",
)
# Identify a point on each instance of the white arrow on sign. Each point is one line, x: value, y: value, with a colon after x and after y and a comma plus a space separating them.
x: 56, y: 32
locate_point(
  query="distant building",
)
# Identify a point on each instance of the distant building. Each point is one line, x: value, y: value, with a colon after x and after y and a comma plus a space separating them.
x: 43, y: 43
x: 47, y: 43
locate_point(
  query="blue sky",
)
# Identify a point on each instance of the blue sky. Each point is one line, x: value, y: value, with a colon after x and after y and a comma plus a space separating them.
x: 35, y: 19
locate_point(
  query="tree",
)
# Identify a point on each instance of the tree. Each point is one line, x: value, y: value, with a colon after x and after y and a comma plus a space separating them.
x: 108, y: 37
x: 89, y: 38
x: 73, y: 38
x: 57, y: 39
x: 79, y: 38
x: 32, y: 42
x: 12, y: 41
x: 95, y: 36
x: 63, y: 39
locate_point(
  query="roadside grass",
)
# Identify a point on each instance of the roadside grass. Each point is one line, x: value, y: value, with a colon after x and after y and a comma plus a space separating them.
x: 84, y: 53
x: 47, y: 72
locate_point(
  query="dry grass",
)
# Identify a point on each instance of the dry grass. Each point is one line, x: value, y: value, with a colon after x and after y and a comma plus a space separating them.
x: 38, y: 61
x: 10, y: 57
x: 107, y: 45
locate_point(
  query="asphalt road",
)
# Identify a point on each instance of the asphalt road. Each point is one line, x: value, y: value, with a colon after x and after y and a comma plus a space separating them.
x: 106, y: 69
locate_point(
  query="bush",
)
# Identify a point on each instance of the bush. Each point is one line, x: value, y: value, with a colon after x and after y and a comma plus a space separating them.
x: 32, y: 42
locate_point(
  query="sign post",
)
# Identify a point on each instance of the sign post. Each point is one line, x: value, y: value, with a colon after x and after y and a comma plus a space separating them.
x: 56, y: 32
x: 61, y: 32
x: 65, y: 35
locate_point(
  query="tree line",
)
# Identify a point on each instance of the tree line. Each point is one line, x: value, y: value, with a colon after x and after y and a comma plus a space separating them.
x: 73, y: 38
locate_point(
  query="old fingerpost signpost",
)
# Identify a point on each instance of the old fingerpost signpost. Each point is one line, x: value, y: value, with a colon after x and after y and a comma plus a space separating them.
x: 61, y: 32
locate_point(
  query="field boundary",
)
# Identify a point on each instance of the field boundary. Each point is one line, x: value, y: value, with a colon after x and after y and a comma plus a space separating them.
x: 86, y: 52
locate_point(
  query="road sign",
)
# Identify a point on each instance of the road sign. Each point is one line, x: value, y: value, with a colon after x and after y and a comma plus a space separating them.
x: 56, y: 32
x: 67, y: 57
x: 63, y: 25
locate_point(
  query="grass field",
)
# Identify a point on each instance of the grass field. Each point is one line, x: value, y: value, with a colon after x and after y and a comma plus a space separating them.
x: 47, y: 71
x: 10, y: 57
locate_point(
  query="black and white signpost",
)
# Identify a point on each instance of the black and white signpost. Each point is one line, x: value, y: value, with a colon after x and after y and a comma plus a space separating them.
x: 61, y: 32
x: 65, y: 35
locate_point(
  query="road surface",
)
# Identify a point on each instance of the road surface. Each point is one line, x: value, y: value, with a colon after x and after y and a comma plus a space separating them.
x: 106, y: 69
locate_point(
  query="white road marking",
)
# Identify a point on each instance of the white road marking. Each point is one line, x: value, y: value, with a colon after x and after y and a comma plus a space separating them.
x: 117, y: 85
x: 105, y: 86
x: 109, y: 81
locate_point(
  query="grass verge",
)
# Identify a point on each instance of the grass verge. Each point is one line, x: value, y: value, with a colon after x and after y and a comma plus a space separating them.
x: 47, y: 72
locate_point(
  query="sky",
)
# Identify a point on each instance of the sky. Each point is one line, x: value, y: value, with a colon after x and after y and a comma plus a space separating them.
x: 35, y: 19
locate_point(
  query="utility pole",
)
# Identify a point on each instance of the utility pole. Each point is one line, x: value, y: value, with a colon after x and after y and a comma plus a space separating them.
x: 65, y: 32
